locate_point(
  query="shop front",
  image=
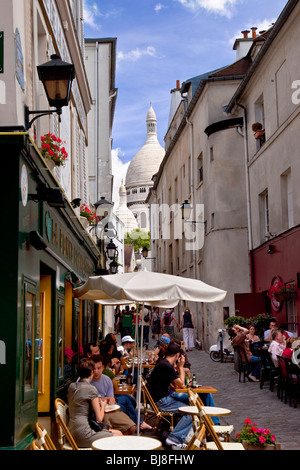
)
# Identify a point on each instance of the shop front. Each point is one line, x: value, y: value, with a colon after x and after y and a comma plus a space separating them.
x: 276, y: 271
x: 46, y: 252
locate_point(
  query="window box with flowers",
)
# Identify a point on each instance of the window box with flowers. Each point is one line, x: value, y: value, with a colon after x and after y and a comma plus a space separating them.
x: 53, y: 149
x: 255, y: 438
x: 281, y: 291
x: 87, y: 216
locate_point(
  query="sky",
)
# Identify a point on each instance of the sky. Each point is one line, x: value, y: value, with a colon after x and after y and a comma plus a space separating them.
x: 160, y: 42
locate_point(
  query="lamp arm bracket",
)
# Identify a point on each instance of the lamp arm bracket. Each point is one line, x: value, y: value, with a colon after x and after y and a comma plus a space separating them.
x: 40, y: 113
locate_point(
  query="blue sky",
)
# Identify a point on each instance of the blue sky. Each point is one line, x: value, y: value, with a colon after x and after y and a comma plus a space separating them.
x: 161, y: 41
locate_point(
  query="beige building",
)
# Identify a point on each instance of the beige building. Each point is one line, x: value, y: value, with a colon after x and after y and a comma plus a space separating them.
x: 269, y: 94
x: 205, y: 168
x: 34, y: 30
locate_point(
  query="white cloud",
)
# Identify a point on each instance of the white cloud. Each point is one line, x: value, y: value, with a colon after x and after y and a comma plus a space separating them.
x: 221, y: 7
x: 159, y: 7
x: 91, y: 14
x: 119, y: 170
x: 136, y: 54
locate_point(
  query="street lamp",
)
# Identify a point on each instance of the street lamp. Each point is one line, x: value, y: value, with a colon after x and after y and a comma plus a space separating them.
x: 106, y: 228
x: 57, y: 77
x: 186, y: 210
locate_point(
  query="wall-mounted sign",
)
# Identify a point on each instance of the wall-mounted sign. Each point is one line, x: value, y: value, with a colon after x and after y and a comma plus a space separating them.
x: 1, y: 51
x: 24, y: 185
x: 19, y: 60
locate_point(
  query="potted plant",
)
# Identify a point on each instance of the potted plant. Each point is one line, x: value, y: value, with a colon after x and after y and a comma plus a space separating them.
x: 88, y: 216
x: 53, y: 149
x: 255, y: 438
x: 258, y: 130
x: 281, y: 291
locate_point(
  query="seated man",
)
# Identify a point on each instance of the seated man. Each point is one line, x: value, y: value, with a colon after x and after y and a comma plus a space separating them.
x: 272, y: 327
x: 238, y: 335
x: 277, y: 346
x: 164, y: 375
x: 103, y: 384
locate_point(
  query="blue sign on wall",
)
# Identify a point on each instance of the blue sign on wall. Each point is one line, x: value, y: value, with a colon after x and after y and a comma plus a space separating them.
x: 19, y: 60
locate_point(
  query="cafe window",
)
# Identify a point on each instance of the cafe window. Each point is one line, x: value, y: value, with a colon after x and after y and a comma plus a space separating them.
x: 29, y: 303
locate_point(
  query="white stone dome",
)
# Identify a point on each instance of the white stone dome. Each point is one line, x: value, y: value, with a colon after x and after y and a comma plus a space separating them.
x: 145, y: 162
x: 124, y: 213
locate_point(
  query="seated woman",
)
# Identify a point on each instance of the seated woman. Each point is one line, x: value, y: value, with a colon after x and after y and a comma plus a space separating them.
x: 81, y: 396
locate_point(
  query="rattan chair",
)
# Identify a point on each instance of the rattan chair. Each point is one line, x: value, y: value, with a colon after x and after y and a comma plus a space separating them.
x: 65, y: 438
x: 43, y: 438
x: 36, y: 446
x: 198, y: 440
x: 153, y: 410
x: 215, y: 444
x: 223, y: 431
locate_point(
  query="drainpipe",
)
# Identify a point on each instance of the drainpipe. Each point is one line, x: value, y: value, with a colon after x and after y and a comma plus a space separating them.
x: 246, y: 155
x: 192, y: 200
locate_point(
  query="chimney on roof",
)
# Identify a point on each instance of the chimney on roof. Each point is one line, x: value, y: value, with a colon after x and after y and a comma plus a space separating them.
x: 242, y: 45
x: 254, y: 35
x: 245, y: 33
x: 177, y: 84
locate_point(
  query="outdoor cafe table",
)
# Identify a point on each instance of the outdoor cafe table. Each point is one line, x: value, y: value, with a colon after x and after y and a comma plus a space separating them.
x: 198, y: 389
x: 126, y: 443
x: 125, y: 389
x: 209, y: 410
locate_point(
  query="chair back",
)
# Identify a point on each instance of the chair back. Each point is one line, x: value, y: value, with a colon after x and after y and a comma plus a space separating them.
x: 43, y: 438
x: 198, y: 441
x: 61, y: 417
x: 36, y: 445
x: 205, y: 419
x: 148, y: 397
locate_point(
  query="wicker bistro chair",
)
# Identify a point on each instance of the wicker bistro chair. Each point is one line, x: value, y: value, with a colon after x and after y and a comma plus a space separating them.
x: 65, y: 438
x: 215, y: 444
x: 198, y: 440
x: 223, y: 431
x: 36, y: 446
x: 150, y: 408
x: 43, y: 440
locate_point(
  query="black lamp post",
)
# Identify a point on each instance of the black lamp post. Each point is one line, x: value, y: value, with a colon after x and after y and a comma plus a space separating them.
x: 57, y: 77
x: 106, y: 228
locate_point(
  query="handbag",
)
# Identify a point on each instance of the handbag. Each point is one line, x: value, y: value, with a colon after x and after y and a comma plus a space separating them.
x: 94, y: 425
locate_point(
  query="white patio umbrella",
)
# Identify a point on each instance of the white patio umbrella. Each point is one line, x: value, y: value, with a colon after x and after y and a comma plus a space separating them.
x: 147, y: 288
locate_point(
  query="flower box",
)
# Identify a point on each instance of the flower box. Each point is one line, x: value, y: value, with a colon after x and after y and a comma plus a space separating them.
x: 248, y: 446
x: 254, y: 437
x: 52, y: 149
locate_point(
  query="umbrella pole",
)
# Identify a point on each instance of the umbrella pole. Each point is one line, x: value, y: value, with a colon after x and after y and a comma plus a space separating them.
x: 140, y: 373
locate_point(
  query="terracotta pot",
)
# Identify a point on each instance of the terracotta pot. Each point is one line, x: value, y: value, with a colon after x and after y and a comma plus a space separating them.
x: 253, y: 447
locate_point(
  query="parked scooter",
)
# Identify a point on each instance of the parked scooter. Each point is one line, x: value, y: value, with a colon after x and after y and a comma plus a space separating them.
x: 217, y: 351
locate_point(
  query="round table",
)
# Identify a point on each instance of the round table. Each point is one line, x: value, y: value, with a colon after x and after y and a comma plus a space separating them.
x: 209, y: 410
x: 126, y: 443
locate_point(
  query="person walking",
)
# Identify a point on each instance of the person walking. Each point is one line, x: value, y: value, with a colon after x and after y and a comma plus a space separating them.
x: 187, y: 325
